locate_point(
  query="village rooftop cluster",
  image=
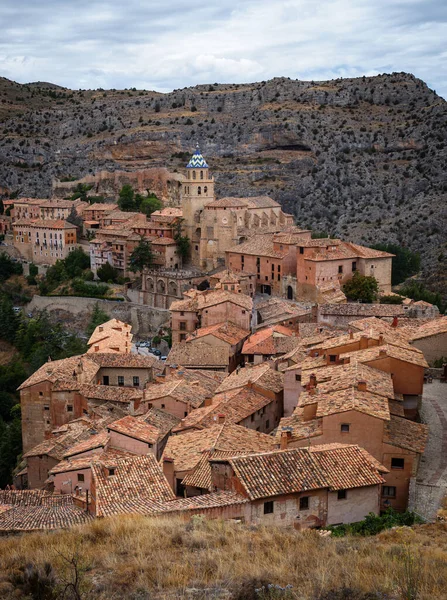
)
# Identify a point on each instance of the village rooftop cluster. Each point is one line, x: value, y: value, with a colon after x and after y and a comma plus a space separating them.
x: 295, y: 408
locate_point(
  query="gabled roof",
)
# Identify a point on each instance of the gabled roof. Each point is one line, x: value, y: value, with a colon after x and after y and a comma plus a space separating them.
x: 186, y: 449
x: 275, y: 339
x: 198, y: 354
x: 62, y: 371
x: 131, y: 361
x: 196, y: 300
x: 200, y: 477
x: 261, y: 244
x: 378, y: 352
x: 344, y: 400
x: 431, y: 328
x: 134, y: 478
x: 292, y: 471
x: 236, y: 405
x: 227, y: 332
x: 262, y: 375
x: 406, y: 434
x: 100, y: 440
x: 136, y: 428
x: 180, y: 390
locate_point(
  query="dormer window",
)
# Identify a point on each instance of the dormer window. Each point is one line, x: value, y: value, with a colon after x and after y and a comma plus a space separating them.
x: 111, y: 472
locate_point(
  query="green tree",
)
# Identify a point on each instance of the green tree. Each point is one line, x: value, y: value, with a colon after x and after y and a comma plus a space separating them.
x: 363, y: 288
x: 107, y: 273
x: 8, y: 267
x: 183, y: 241
x: 150, y: 205
x: 74, y: 218
x: 405, y: 262
x: 126, y: 200
x: 98, y: 318
x: 418, y: 291
x: 81, y: 191
x: 76, y: 262
x: 141, y: 257
x: 391, y: 299
x: 8, y: 319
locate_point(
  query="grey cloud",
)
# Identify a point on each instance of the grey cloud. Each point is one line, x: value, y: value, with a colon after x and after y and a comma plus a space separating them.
x: 89, y: 43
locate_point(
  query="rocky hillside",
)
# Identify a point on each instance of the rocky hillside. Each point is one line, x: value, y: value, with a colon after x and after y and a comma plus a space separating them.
x: 362, y: 158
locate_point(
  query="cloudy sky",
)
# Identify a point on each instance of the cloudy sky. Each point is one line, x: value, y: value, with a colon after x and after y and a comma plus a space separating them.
x: 171, y: 44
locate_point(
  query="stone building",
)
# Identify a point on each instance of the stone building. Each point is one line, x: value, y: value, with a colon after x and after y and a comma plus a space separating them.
x: 431, y: 339
x: 210, y: 307
x: 161, y: 287
x: 214, y: 226
x: 44, y: 241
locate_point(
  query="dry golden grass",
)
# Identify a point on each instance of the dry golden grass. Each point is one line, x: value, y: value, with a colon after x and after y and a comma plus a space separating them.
x: 138, y: 558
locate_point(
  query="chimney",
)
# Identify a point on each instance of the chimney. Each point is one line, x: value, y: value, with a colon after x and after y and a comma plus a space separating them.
x: 395, y: 322
x: 285, y: 437
x: 101, y: 328
x: 221, y: 419
x: 168, y: 470
x: 361, y: 386
x: 351, y: 335
x: 208, y: 401
x: 363, y: 342
x: 313, y: 380
x: 311, y: 391
x: 382, y: 352
x: 380, y: 339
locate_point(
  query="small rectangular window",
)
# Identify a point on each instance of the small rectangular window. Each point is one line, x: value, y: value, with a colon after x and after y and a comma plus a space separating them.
x: 341, y: 495
x: 301, y: 250
x: 340, y: 269
x: 111, y: 471
x: 267, y: 424
x: 105, y: 380
x: 344, y: 427
x: 120, y: 380
x: 81, y: 477
x: 332, y: 357
x: 46, y: 407
x: 163, y: 405
x: 136, y: 381
x: 268, y: 507
x: 354, y: 266
x: 69, y: 408
x: 304, y: 503
x: 389, y: 491
x: 397, y: 463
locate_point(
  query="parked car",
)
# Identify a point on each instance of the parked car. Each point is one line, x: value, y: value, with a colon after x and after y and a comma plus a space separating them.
x: 17, y: 309
x: 163, y: 357
x: 155, y: 351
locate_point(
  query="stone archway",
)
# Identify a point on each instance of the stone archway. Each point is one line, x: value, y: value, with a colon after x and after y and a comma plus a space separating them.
x: 172, y: 288
x: 161, y: 286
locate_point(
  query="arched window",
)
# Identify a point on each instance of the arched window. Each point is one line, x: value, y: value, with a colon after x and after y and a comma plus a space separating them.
x: 205, y: 190
x: 201, y: 174
x: 189, y: 175
x: 193, y: 174
x: 199, y: 190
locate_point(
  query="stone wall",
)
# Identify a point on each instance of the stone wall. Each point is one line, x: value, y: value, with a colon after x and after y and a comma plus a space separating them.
x: 144, y: 319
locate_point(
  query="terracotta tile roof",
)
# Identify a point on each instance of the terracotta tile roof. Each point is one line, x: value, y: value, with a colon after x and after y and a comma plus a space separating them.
x: 435, y: 327
x: 161, y: 420
x: 262, y: 375
x: 133, y: 361
x: 365, y: 252
x: 134, y: 478
x: 276, y: 310
x: 62, y: 371
x: 236, y: 405
x: 261, y: 244
x: 180, y: 390
x: 396, y: 408
x: 227, y: 332
x: 44, y: 224
x: 100, y: 440
x: 344, y: 400
x: 103, y: 206
x: 186, y: 449
x: 108, y: 328
x: 200, y: 477
x: 272, y: 340
x: 362, y: 310
x: 339, y: 377
x: 110, y: 393
x: 198, y: 354
x: 406, y: 434
x: 34, y: 518
x: 396, y: 352
x: 299, y: 470
x: 168, y: 211
x: 227, y: 203
x: 196, y: 300
x: 136, y: 428
x: 22, y: 497
x: 106, y: 457
x: 58, y: 445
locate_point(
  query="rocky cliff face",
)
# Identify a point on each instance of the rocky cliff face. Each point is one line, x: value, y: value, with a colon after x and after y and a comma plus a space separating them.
x: 360, y: 158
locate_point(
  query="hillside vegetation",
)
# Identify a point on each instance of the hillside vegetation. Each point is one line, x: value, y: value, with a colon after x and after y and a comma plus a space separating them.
x: 138, y: 558
x: 360, y: 158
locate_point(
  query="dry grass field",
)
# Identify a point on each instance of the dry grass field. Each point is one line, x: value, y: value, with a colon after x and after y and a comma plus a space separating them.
x: 140, y: 558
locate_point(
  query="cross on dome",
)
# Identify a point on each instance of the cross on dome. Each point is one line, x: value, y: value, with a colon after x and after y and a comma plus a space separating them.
x: 197, y: 161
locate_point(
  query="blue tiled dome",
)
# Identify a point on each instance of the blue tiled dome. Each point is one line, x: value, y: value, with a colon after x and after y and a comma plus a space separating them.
x: 197, y: 161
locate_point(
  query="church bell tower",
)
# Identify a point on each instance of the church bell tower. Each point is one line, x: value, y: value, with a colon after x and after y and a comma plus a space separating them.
x: 197, y: 191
